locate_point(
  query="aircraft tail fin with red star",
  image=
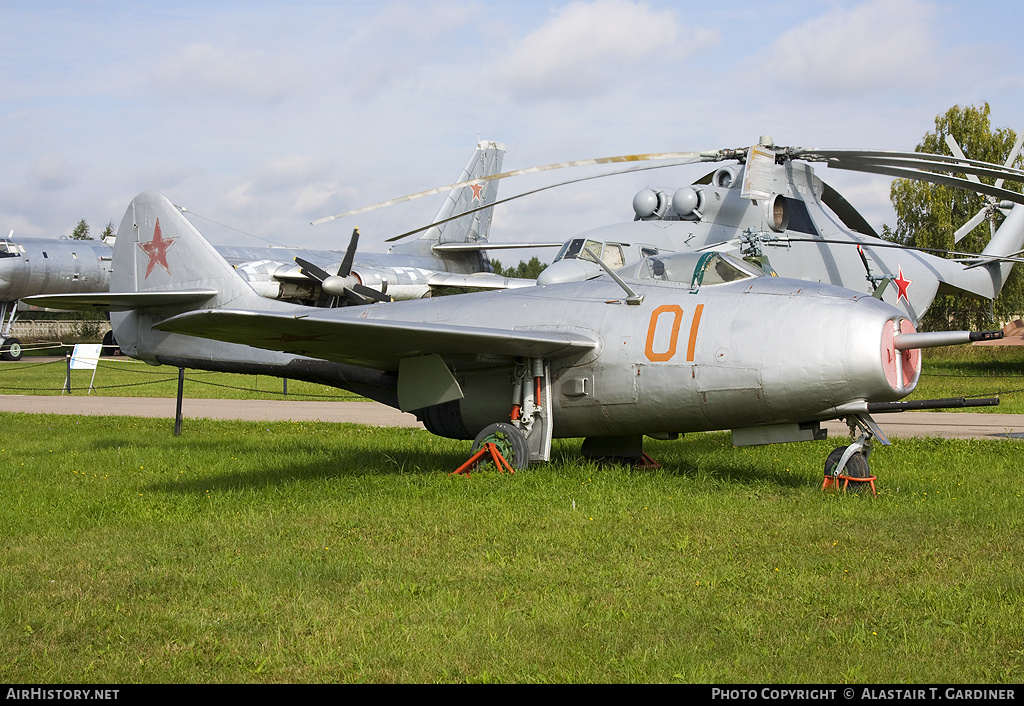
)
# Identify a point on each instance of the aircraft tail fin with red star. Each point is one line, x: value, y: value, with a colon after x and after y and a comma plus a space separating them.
x: 158, y: 249
x: 161, y: 261
x: 468, y: 230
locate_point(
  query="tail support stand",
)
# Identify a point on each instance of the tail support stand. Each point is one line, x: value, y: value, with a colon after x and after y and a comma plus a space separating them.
x: 490, y: 449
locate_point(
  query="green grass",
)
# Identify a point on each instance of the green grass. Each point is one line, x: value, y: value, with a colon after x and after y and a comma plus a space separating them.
x: 974, y: 371
x: 310, y: 552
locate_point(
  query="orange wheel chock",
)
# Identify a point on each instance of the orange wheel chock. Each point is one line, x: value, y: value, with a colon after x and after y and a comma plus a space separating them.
x: 832, y: 483
x: 479, y: 457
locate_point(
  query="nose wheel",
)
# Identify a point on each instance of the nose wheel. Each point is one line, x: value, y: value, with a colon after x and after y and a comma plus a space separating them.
x: 847, y: 467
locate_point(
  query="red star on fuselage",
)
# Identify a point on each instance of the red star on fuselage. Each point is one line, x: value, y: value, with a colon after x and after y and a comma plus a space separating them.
x: 902, y: 284
x: 477, y: 188
x: 156, y: 250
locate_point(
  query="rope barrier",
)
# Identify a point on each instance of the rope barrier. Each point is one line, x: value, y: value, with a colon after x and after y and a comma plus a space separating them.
x: 115, y: 364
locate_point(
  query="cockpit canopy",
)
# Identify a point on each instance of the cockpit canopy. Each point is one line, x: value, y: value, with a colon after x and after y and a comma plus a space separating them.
x: 694, y: 269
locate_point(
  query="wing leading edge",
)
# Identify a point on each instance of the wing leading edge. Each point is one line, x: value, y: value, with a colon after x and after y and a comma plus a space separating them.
x: 378, y: 344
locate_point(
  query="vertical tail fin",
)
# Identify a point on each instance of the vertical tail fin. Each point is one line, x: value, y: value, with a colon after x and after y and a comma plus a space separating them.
x: 157, y: 249
x: 160, y: 258
x: 472, y: 228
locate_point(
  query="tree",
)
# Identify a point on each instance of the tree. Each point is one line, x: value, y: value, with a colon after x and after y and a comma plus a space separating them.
x: 524, y: 270
x: 928, y: 215
x: 81, y: 231
x: 108, y: 232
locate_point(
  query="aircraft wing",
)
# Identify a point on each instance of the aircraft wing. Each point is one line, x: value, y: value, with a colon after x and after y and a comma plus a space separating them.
x: 477, y: 280
x: 372, y: 343
x: 119, y: 301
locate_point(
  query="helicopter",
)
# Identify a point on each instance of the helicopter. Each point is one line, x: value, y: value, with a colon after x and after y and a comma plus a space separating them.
x: 770, y: 208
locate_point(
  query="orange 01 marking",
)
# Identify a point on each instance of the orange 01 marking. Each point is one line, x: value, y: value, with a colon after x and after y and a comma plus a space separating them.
x: 677, y: 317
x: 693, y: 332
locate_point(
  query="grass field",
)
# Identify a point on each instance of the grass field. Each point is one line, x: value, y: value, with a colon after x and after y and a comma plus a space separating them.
x: 308, y: 552
x: 974, y: 371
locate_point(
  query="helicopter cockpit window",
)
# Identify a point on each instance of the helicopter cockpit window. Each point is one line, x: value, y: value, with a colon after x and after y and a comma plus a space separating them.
x: 696, y: 269
x: 611, y: 253
x: 612, y: 256
x: 8, y: 249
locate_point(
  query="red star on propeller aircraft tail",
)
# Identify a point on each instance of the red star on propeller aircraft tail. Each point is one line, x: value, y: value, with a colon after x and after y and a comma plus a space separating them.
x: 156, y: 249
x: 477, y: 188
x: 903, y: 285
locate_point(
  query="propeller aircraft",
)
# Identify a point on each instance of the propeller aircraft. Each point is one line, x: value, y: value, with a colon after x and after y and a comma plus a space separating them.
x: 450, y: 254
x: 671, y: 344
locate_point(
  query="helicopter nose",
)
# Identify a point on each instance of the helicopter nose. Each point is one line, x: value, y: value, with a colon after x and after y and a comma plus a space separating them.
x: 569, y: 270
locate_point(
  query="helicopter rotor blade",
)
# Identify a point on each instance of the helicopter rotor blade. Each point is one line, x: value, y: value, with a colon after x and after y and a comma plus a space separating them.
x: 640, y: 168
x: 971, y: 225
x: 954, y: 147
x: 1013, y: 155
x: 672, y: 157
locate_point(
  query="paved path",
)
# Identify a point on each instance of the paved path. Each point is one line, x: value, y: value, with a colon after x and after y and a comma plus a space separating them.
x: 959, y: 425
x: 359, y: 412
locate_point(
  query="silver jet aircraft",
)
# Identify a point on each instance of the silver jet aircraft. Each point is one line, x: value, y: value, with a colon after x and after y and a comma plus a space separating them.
x: 673, y: 344
x: 449, y: 254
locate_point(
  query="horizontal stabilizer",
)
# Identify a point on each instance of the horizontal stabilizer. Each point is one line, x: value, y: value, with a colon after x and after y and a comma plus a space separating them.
x: 120, y: 301
x: 372, y: 343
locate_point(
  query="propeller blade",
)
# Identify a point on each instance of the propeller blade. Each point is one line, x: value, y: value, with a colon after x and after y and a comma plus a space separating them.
x: 371, y: 293
x: 970, y: 225
x: 345, y: 269
x: 310, y: 270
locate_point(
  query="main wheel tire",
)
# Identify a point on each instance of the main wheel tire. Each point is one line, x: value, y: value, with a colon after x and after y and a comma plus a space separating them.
x: 511, y: 442
x: 11, y: 350
x: 110, y: 344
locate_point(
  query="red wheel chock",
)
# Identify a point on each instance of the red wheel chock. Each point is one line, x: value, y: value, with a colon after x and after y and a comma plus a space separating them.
x: 479, y: 457
x: 832, y: 482
x: 647, y: 462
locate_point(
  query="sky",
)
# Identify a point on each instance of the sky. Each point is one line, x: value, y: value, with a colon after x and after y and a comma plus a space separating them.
x: 260, y: 117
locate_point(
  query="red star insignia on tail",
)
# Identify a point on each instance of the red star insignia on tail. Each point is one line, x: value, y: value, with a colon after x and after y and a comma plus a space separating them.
x: 477, y: 188
x: 156, y: 250
x: 902, y: 284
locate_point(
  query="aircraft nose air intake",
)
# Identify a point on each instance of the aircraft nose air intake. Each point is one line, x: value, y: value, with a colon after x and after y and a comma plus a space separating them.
x: 902, y: 367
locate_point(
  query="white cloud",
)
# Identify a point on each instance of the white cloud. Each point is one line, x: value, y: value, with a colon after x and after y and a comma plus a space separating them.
x: 587, y: 47
x: 879, y: 44
x: 225, y: 72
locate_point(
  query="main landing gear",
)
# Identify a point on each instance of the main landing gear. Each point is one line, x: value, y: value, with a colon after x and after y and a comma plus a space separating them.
x: 527, y: 437
x: 847, y: 467
x: 10, y: 349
